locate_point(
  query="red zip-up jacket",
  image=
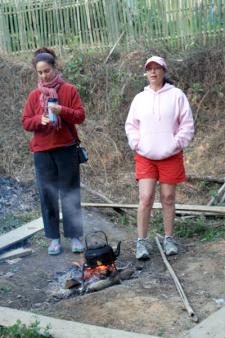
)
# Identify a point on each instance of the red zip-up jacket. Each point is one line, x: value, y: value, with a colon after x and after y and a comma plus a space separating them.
x: 48, y: 137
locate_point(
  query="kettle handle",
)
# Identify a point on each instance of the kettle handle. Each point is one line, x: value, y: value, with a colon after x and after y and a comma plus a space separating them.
x: 93, y: 233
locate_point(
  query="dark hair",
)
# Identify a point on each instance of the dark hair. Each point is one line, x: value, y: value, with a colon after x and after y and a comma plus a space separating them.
x: 166, y: 80
x: 44, y: 54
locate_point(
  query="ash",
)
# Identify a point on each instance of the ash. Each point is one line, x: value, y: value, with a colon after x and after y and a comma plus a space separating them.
x: 71, y: 283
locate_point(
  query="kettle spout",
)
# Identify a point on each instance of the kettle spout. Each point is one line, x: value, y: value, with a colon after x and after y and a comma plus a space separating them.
x: 117, y: 252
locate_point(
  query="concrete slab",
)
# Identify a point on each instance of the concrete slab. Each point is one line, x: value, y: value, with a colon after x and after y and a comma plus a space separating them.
x: 211, y: 327
x: 63, y: 328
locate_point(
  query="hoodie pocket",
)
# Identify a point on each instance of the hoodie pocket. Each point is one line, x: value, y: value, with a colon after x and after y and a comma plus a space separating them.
x: 158, y: 145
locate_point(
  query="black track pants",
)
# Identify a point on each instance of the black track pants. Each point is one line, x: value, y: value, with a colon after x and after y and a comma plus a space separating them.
x: 58, y: 176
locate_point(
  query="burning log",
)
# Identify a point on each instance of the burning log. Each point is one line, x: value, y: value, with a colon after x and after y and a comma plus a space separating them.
x: 104, y: 283
x: 71, y: 283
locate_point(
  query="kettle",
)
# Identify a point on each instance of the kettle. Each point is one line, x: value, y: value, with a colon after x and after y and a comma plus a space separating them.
x: 98, y: 251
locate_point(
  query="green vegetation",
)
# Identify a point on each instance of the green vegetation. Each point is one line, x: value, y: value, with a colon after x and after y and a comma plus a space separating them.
x: 4, y: 289
x: 75, y: 73
x: 20, y: 330
x: 198, y: 227
x: 15, y: 219
x: 99, y: 24
x: 39, y: 239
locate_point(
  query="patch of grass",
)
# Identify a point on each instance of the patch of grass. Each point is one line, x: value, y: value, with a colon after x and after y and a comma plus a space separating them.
x: 199, y: 227
x: 123, y: 220
x: 14, y: 220
x: 156, y: 224
x: 214, y: 233
x: 40, y: 239
x: 161, y: 332
x: 5, y: 289
x: 189, y: 228
x: 20, y: 330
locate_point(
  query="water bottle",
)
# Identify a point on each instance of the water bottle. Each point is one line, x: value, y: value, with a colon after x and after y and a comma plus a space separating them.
x: 52, y: 117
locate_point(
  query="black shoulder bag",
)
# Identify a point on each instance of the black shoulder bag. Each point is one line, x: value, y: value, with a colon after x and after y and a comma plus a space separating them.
x: 81, y: 151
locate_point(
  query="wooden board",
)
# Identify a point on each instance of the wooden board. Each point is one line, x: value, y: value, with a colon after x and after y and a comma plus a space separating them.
x: 32, y: 227
x: 182, y: 207
x: 15, y: 254
x: 23, y: 232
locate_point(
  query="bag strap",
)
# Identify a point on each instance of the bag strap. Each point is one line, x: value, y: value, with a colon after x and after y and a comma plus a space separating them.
x: 73, y: 132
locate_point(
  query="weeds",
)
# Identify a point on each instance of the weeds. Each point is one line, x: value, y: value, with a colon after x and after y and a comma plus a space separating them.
x: 123, y: 219
x: 14, y: 220
x: 20, y: 330
x: 76, y: 74
x: 5, y: 289
x: 40, y: 239
x: 156, y: 224
x: 190, y: 228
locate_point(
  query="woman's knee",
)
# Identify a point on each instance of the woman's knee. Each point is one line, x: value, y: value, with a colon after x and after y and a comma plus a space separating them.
x: 146, y: 199
x: 167, y: 198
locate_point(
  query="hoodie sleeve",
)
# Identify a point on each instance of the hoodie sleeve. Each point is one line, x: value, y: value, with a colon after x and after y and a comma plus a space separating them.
x: 185, y: 122
x: 132, y: 127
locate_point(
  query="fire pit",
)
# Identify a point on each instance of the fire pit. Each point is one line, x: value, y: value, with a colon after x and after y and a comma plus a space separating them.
x: 98, y: 270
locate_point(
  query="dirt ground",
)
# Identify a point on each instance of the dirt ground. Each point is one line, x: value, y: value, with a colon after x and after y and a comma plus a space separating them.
x: 146, y: 303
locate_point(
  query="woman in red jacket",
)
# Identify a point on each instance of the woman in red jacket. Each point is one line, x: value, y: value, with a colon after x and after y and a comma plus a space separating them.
x: 54, y: 147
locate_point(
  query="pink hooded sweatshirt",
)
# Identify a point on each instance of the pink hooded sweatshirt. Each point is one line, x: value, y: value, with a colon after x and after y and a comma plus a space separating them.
x: 159, y: 124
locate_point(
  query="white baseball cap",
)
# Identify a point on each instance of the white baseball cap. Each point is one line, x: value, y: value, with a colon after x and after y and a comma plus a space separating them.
x: 157, y: 59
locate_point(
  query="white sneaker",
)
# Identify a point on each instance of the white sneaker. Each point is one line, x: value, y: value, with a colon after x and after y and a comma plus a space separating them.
x: 170, y: 246
x: 54, y: 247
x: 141, y: 249
x: 77, y: 246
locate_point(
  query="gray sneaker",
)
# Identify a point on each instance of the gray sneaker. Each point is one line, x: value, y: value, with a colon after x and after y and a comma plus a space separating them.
x: 141, y: 249
x: 170, y: 246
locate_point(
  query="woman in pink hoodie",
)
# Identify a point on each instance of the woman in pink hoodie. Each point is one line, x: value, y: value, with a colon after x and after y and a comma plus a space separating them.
x: 158, y: 127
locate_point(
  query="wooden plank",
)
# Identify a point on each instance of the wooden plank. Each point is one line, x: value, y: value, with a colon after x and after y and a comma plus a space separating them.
x: 23, y: 232
x: 184, y: 207
x: 60, y: 328
x: 15, y: 254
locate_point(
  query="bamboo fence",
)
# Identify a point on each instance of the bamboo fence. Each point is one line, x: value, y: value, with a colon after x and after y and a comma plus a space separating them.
x: 29, y: 24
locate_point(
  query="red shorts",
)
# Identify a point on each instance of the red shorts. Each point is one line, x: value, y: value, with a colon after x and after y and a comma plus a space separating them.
x: 170, y: 170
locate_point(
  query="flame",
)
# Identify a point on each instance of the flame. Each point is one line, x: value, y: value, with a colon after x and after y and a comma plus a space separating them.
x: 98, y: 271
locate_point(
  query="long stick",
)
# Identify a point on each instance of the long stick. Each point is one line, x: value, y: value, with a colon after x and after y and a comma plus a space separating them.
x: 177, y: 283
x: 111, y: 51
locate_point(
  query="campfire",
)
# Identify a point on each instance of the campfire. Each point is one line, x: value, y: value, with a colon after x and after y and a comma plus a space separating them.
x: 98, y: 270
